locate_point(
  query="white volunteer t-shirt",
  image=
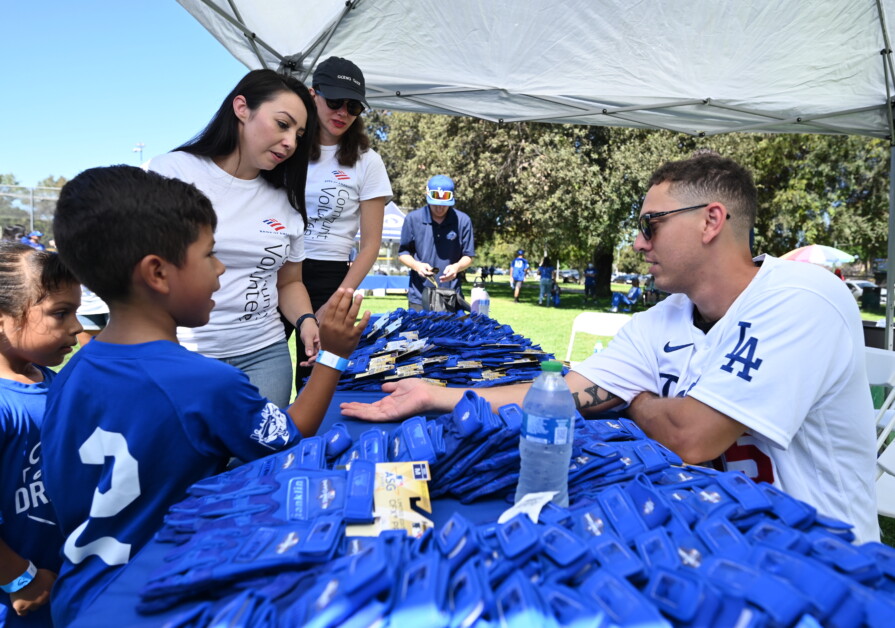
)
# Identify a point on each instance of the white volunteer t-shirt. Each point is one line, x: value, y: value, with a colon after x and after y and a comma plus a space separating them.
x: 786, y: 361
x: 258, y: 231
x: 332, y: 196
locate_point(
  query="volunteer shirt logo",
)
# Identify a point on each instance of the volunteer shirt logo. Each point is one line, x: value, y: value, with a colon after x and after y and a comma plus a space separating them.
x: 341, y: 175
x: 276, y: 225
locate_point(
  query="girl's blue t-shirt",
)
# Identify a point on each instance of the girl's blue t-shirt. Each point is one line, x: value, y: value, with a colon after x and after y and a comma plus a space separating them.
x: 27, y: 521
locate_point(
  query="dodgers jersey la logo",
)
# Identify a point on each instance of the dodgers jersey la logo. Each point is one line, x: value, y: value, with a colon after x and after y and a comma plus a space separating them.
x: 744, y: 354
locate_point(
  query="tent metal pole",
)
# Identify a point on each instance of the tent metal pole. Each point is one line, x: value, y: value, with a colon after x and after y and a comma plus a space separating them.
x: 250, y: 38
x: 890, y: 262
x: 886, y: 54
x: 249, y: 35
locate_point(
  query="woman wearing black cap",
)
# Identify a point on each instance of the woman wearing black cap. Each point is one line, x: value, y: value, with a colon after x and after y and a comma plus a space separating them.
x: 347, y: 188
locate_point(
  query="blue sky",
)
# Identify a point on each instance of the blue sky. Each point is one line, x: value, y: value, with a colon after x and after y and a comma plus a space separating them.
x: 82, y: 82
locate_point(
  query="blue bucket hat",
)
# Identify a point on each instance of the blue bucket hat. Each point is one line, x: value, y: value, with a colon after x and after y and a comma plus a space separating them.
x: 440, y: 190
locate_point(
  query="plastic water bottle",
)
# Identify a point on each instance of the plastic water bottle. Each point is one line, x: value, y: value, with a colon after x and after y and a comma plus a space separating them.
x: 545, y: 445
x: 480, y: 301
x: 598, y: 346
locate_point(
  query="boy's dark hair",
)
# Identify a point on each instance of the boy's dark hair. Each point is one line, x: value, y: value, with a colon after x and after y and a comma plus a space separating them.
x: 27, y: 277
x: 221, y: 136
x: 108, y: 219
x: 707, y: 177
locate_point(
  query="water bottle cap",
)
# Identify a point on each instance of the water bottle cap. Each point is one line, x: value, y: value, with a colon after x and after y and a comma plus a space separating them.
x: 551, y: 366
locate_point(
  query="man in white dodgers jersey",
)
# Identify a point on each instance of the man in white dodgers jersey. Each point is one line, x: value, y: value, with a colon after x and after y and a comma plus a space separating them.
x: 762, y: 363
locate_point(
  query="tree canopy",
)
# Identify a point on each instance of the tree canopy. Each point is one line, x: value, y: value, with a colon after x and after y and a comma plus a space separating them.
x: 574, y: 191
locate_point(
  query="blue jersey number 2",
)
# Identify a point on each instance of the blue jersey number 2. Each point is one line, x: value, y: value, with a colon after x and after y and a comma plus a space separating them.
x: 124, y: 489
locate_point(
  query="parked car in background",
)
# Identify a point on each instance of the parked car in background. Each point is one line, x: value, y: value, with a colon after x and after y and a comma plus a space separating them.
x: 624, y: 277
x: 857, y: 289
x: 569, y: 275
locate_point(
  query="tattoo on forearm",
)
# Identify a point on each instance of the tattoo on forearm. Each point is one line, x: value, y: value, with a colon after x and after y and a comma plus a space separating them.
x: 593, y: 396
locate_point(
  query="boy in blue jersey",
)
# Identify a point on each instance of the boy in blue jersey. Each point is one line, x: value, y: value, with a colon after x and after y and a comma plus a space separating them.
x: 134, y: 418
x: 518, y: 269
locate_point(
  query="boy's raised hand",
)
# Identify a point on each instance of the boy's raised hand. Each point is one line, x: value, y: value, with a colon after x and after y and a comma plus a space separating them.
x: 339, y: 328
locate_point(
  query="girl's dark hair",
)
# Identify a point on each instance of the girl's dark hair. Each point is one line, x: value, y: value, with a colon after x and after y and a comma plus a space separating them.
x: 221, y: 136
x: 27, y: 277
x: 352, y: 142
x: 546, y: 261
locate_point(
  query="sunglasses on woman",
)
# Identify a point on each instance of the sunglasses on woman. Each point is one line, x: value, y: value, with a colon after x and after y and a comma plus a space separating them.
x: 355, y: 107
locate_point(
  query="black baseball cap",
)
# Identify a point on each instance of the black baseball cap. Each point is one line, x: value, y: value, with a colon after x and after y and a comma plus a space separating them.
x: 338, y: 78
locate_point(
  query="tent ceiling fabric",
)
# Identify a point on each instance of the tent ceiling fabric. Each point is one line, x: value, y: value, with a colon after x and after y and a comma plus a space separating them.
x: 698, y: 67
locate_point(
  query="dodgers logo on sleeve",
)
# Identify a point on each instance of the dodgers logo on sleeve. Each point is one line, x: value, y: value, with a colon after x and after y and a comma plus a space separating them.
x: 272, y: 431
x: 744, y: 354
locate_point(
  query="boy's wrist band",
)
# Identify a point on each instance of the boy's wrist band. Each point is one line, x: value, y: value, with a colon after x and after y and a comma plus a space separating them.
x: 332, y: 361
x: 22, y: 581
x: 302, y: 318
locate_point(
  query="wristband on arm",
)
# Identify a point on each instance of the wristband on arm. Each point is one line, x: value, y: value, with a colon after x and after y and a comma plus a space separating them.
x: 22, y: 581
x: 302, y: 319
x: 332, y: 361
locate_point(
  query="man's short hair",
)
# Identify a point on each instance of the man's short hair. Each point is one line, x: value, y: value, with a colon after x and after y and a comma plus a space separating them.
x: 108, y: 219
x: 707, y: 177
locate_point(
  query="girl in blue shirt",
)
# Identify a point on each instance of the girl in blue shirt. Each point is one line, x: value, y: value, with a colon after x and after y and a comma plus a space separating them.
x: 38, y: 327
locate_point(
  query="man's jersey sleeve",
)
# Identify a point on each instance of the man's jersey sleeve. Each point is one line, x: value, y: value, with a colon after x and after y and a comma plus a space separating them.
x: 626, y: 367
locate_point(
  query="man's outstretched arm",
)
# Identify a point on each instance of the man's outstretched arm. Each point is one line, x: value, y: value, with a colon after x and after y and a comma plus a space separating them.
x: 409, y: 397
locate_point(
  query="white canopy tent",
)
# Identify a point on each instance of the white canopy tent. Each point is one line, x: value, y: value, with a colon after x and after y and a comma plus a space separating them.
x: 700, y: 67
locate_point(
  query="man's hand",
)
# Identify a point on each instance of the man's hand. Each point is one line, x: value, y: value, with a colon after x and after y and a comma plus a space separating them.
x: 450, y: 272
x: 339, y: 328
x: 408, y: 397
x: 35, y: 595
x: 425, y: 269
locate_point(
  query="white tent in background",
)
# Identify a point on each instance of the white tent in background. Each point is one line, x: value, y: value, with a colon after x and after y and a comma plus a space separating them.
x: 392, y: 222
x: 700, y: 67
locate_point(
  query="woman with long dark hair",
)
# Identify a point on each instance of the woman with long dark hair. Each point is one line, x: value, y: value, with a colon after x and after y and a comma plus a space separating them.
x: 251, y: 161
x: 347, y: 188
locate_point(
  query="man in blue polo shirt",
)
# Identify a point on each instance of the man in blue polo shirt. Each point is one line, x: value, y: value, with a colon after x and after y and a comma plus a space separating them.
x: 436, y: 239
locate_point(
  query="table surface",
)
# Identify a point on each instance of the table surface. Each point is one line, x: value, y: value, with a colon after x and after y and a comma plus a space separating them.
x: 116, y: 606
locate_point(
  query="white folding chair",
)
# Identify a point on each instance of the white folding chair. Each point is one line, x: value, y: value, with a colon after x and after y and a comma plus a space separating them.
x: 885, y: 482
x: 881, y: 372
x: 597, y: 324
